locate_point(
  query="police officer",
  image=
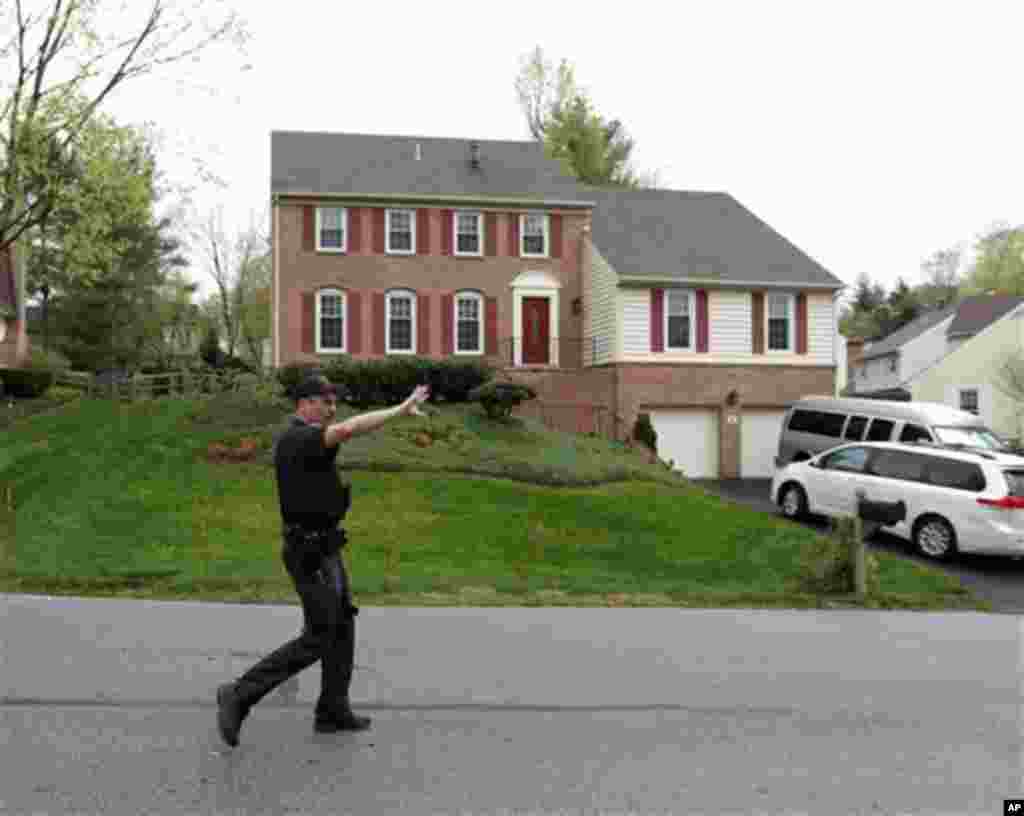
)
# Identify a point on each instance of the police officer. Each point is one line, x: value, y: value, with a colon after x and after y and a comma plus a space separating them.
x: 313, y: 502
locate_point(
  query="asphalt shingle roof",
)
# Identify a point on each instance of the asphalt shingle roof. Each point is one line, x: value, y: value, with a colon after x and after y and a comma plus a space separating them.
x: 683, y: 235
x: 365, y: 164
x: 979, y: 311
x: 916, y: 327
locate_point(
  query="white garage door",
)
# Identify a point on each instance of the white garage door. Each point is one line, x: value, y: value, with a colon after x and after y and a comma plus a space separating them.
x: 690, y: 438
x: 759, y: 443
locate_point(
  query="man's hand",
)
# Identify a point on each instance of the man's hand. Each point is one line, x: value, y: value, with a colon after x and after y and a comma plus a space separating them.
x: 411, y: 407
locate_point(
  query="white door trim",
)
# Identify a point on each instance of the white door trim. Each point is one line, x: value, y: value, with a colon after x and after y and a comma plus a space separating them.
x: 540, y: 285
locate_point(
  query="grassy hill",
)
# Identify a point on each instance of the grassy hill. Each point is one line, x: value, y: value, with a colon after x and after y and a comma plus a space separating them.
x: 133, y: 500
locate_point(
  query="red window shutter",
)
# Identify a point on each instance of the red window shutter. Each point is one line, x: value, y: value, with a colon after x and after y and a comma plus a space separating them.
x: 446, y: 232
x: 556, y: 236
x: 423, y: 324
x: 513, y: 235
x: 801, y: 323
x: 702, y: 320
x: 309, y: 322
x: 491, y: 234
x: 448, y: 324
x: 355, y: 236
x: 422, y: 231
x: 380, y: 319
x: 308, y: 228
x: 758, y: 322
x: 378, y: 230
x: 657, y: 320
x: 355, y: 323
x: 491, y: 326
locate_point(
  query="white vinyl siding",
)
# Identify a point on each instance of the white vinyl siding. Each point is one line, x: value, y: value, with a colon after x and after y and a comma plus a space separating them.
x: 731, y: 319
x: 599, y: 310
x: 635, y: 308
x: 820, y: 329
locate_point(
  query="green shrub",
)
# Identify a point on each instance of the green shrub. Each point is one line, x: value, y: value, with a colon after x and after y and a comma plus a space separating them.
x: 498, y: 398
x: 643, y: 431
x: 389, y: 381
x: 26, y: 383
x: 453, y: 380
x: 291, y: 375
x: 39, y: 360
x: 826, y: 566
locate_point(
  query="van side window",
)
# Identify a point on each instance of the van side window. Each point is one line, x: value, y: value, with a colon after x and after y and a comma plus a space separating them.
x: 912, y: 433
x: 823, y: 423
x: 895, y: 464
x: 880, y: 430
x: 956, y: 474
x: 855, y: 428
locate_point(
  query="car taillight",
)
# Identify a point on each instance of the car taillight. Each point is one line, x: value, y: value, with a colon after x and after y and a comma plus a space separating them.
x: 1005, y: 503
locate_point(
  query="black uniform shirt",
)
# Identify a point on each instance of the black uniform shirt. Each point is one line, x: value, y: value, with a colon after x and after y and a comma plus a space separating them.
x: 308, y: 484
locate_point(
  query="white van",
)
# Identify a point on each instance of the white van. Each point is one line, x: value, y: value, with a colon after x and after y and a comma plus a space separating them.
x: 816, y: 424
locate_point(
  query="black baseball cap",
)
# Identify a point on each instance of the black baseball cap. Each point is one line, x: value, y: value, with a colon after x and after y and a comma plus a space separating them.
x: 315, y: 387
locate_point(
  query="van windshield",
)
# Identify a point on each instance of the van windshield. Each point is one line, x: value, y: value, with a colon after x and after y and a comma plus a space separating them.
x: 969, y: 436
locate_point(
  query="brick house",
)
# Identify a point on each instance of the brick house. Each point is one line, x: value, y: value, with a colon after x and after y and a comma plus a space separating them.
x: 682, y: 305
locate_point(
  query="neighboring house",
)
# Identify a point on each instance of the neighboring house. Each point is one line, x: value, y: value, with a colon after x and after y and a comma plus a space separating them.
x: 682, y: 305
x: 950, y: 356
x: 14, y: 343
x: 984, y: 333
x: 887, y: 364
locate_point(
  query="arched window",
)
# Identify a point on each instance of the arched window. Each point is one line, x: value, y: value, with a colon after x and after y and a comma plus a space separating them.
x: 331, y: 307
x: 468, y: 323
x: 401, y: 316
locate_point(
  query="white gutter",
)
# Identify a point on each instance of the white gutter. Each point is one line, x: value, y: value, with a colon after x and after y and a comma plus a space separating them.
x: 626, y: 280
x: 415, y: 197
x: 276, y: 319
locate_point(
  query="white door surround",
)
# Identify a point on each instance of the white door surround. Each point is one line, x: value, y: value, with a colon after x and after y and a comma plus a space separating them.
x: 539, y: 284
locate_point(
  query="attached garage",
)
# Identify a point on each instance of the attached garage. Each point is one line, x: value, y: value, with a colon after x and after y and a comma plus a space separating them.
x: 759, y: 442
x: 690, y: 438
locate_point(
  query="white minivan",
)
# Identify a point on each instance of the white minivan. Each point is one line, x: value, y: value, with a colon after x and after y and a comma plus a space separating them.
x: 953, y: 500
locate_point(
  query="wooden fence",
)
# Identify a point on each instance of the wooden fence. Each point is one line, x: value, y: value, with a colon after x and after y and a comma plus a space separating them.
x: 148, y: 386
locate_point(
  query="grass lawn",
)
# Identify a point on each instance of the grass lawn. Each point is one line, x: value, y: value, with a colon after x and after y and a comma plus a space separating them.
x: 120, y: 499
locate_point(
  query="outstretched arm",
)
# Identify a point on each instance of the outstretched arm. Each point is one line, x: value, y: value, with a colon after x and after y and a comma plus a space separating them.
x: 365, y: 423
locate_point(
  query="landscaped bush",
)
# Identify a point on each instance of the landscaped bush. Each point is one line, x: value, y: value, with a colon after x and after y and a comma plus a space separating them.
x: 292, y: 374
x: 826, y: 566
x: 26, y: 383
x: 40, y: 360
x: 499, y: 398
x: 389, y: 381
x: 643, y: 431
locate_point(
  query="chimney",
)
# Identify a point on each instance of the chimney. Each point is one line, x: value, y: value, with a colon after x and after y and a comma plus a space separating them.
x: 854, y: 351
x: 474, y: 155
x: 419, y: 154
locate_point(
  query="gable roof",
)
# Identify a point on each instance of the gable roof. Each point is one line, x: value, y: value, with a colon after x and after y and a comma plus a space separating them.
x: 915, y: 328
x: 358, y: 164
x: 977, y: 312
x: 674, y: 235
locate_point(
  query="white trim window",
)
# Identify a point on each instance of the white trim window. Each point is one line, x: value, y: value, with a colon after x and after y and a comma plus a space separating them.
x: 679, y: 320
x: 331, y: 229
x: 469, y: 323
x: 401, y: 232
x: 780, y: 327
x: 469, y: 233
x: 330, y: 321
x: 533, y: 235
x: 401, y: 317
x: 969, y: 400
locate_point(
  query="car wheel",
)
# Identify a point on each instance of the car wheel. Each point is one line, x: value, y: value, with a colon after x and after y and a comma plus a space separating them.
x: 793, y: 501
x: 934, y: 538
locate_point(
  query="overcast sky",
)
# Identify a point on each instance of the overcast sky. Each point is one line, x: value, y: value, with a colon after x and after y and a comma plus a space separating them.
x: 869, y: 134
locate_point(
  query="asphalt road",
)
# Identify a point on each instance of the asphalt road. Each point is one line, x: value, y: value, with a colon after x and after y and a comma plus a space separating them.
x: 107, y: 708
x: 997, y: 580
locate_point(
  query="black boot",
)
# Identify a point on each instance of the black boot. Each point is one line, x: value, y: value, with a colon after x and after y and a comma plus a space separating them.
x: 346, y: 721
x: 230, y: 713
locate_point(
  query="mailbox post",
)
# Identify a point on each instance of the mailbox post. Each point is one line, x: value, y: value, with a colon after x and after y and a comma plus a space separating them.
x: 879, y: 514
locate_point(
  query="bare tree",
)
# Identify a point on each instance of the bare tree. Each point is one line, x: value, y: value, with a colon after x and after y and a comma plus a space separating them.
x: 543, y: 90
x: 234, y: 264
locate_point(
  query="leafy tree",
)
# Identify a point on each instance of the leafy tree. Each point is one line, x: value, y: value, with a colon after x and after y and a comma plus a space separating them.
x: 942, y: 278
x: 209, y: 349
x: 904, y: 306
x: 561, y: 115
x: 59, y: 62
x: 999, y: 263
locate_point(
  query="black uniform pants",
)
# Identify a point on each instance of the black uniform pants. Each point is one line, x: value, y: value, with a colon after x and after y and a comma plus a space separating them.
x: 328, y: 634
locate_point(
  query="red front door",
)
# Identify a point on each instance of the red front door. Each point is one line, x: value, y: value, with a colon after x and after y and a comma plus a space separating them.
x: 536, y: 336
